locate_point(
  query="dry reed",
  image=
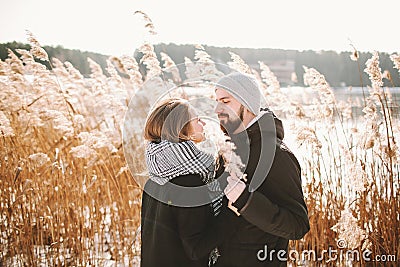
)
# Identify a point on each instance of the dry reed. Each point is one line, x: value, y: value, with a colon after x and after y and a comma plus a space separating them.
x: 68, y: 198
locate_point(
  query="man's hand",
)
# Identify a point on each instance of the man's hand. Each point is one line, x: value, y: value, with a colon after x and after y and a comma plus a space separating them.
x: 234, y: 188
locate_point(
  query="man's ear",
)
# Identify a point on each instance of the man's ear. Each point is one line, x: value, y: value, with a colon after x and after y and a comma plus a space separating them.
x: 242, y: 112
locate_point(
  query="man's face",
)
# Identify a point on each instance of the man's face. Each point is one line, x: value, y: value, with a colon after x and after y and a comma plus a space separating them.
x: 229, y: 111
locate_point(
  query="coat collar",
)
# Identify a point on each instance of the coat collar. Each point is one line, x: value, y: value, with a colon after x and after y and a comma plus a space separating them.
x: 254, y: 126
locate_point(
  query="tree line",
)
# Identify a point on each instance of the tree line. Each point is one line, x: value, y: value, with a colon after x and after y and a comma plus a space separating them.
x: 337, y: 67
x: 76, y: 57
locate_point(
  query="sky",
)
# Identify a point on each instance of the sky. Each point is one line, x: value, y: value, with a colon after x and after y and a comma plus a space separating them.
x: 111, y: 28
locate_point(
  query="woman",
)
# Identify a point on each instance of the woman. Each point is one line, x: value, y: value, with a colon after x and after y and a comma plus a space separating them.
x: 175, y: 231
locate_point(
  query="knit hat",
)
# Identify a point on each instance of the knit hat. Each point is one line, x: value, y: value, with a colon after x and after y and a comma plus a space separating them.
x: 243, y: 88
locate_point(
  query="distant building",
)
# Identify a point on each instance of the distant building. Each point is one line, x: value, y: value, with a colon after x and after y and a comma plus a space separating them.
x: 283, y: 70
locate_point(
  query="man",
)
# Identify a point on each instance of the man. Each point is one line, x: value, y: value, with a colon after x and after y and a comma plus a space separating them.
x: 269, y: 199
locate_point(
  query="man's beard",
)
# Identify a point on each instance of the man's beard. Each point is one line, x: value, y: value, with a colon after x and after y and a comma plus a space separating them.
x: 231, y: 124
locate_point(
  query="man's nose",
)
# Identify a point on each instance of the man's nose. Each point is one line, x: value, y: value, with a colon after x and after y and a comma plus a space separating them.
x: 218, y: 108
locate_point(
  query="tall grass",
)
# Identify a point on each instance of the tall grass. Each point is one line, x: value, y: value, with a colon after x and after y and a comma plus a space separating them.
x: 67, y: 196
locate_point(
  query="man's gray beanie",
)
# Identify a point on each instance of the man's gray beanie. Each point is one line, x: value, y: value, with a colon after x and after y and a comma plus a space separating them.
x: 243, y: 88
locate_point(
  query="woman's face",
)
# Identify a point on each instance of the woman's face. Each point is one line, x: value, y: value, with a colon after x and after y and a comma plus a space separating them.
x: 196, y: 131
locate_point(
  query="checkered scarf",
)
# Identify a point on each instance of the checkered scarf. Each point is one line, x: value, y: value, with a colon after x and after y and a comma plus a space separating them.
x: 167, y: 160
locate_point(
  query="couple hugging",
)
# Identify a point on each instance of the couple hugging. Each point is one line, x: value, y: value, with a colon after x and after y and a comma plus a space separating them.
x: 187, y: 217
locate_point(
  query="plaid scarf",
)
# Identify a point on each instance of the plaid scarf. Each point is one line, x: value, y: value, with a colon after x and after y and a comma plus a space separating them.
x: 167, y: 160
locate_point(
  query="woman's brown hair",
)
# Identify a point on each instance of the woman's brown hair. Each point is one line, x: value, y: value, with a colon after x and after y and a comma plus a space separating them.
x: 169, y: 121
